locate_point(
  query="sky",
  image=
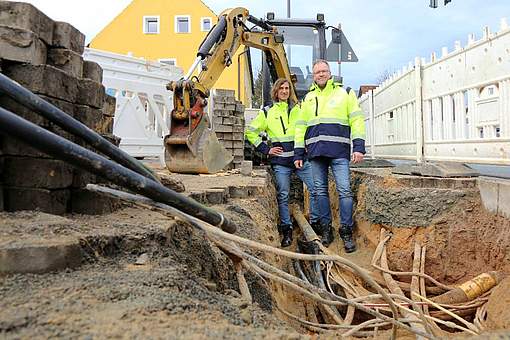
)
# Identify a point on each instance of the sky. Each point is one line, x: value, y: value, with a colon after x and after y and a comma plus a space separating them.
x: 385, y: 34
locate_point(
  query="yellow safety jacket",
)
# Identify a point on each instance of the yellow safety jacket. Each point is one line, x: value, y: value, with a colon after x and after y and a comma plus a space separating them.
x: 279, y: 121
x: 329, y: 119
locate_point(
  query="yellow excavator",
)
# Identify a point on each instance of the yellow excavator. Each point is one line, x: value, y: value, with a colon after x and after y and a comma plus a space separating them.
x: 192, y: 146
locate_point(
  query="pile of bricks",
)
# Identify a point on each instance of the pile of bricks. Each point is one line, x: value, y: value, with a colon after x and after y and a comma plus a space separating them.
x: 228, y: 123
x: 46, y: 57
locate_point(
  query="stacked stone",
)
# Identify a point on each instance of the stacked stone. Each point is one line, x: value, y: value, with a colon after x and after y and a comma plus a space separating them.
x: 228, y: 122
x: 46, y: 57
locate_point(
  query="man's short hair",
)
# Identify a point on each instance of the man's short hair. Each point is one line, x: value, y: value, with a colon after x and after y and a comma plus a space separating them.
x: 320, y: 61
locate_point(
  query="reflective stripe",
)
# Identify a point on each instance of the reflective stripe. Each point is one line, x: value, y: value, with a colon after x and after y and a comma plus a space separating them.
x: 301, y: 122
x: 327, y: 120
x: 251, y: 128
x: 283, y: 139
x: 360, y: 136
x: 357, y: 113
x: 257, y: 142
x: 299, y: 144
x: 327, y: 139
x: 286, y: 154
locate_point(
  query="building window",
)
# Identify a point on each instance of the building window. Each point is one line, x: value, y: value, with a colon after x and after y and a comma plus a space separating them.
x: 168, y: 61
x: 182, y: 24
x: 151, y: 24
x: 206, y: 24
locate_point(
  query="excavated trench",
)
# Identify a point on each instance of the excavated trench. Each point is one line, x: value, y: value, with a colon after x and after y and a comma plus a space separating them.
x: 172, y: 282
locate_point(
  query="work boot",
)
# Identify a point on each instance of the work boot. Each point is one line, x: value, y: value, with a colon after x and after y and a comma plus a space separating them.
x: 287, y: 236
x: 327, y: 235
x: 316, y: 226
x: 346, y: 235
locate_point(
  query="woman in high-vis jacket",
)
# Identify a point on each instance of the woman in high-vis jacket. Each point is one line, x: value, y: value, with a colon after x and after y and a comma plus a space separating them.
x: 278, y: 121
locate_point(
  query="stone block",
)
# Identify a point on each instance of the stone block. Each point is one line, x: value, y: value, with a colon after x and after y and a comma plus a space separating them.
x: 91, y: 93
x: 238, y: 128
x: 224, y: 92
x: 40, y: 257
x: 20, y: 45
x: 238, y: 144
x: 92, y: 71
x: 13, y: 147
x: 223, y: 128
x: 228, y: 120
x: 238, y: 136
x: 489, y: 194
x: 238, y: 152
x: 92, y: 203
x: 66, y: 60
x: 1, y: 198
x: 504, y: 199
x: 246, y: 168
x: 198, y: 196
x: 49, y: 201
x: 89, y: 116
x: 226, y: 143
x: 67, y: 36
x: 81, y: 178
x: 46, y: 80
x: 109, y: 105
x: 37, y: 173
x: 26, y: 16
x: 238, y: 192
x: 35, y: 118
x: 105, y: 125
x: 216, y: 196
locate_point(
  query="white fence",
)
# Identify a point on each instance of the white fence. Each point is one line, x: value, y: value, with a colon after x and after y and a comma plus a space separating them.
x: 141, y: 115
x: 452, y: 108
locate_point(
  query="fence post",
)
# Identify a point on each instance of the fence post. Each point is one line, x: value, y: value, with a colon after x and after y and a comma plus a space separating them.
x: 372, y: 121
x: 419, y: 112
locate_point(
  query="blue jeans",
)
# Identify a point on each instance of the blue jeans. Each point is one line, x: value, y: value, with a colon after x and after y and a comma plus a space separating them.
x: 340, y: 169
x: 282, y: 175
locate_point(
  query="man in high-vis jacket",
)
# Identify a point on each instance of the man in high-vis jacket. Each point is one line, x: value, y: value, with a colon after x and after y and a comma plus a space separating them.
x: 330, y: 120
x: 279, y: 120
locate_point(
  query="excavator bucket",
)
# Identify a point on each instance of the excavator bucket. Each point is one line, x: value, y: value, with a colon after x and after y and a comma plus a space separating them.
x: 198, y: 152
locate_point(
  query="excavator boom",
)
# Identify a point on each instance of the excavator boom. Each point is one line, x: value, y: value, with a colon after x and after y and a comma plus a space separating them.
x: 192, y: 146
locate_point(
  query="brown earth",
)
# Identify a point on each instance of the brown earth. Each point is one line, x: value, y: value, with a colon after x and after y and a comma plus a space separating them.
x: 187, y: 289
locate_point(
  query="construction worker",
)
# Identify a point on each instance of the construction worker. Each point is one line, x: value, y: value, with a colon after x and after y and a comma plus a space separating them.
x: 278, y: 120
x: 330, y: 118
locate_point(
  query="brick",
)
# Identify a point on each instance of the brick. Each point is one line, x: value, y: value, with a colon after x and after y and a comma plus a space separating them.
x: 239, y: 120
x: 246, y: 168
x: 46, y: 80
x: 222, y: 113
x: 198, y: 196
x: 217, y: 120
x: 109, y: 106
x: 238, y: 192
x: 230, y: 107
x: 92, y: 203
x: 21, y: 45
x: 216, y: 196
x: 105, y: 125
x: 91, y: 93
x: 66, y: 60
x: 48, y: 201
x: 240, y: 107
x: 227, y: 136
x: 92, y: 70
x: 37, y: 173
x: 67, y: 36
x: 26, y: 16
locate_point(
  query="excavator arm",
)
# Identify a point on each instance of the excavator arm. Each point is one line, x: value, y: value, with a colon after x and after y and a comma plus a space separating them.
x: 191, y: 147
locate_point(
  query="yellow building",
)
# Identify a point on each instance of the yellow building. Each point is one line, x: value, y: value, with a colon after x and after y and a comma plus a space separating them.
x: 168, y: 31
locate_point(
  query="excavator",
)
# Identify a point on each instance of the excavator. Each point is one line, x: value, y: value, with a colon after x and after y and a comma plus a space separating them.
x: 192, y: 146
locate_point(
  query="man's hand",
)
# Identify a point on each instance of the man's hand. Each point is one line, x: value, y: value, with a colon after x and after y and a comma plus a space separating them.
x: 357, y: 157
x: 275, y: 151
x: 298, y: 164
